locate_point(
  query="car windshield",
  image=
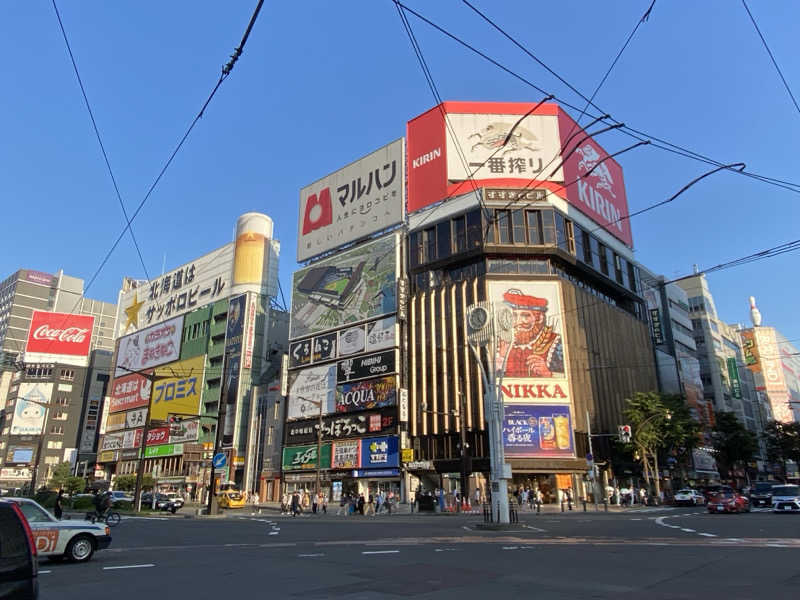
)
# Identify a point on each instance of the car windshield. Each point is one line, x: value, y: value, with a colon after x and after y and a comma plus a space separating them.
x: 763, y: 487
x: 724, y: 494
x: 685, y: 492
x: 33, y: 513
x: 786, y: 490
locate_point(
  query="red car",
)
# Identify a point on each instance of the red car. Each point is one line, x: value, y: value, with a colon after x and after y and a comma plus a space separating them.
x: 728, y: 502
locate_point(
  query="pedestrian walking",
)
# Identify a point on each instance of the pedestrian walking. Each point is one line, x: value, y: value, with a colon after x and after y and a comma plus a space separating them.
x: 477, y: 495
x: 314, y: 500
x: 370, y: 505
x: 324, y: 504
x: 378, y: 502
x: 342, y: 505
x: 58, y: 509
x: 295, y: 503
x: 389, y: 502
x: 361, y: 504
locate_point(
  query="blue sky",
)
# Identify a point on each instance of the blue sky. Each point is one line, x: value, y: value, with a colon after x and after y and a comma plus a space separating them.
x: 322, y: 83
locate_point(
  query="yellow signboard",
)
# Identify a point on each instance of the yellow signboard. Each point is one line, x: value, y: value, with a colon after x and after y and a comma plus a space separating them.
x: 180, y: 391
x: 115, y: 421
x: 407, y: 455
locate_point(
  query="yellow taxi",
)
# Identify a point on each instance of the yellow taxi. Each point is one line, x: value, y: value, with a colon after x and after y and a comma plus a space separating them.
x: 230, y: 497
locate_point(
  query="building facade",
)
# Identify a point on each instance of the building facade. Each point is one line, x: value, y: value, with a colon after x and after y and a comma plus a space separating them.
x: 194, y: 348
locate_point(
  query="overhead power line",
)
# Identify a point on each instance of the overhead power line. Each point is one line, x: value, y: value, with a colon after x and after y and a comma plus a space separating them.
x: 99, y: 138
x: 630, y: 131
x: 771, y: 56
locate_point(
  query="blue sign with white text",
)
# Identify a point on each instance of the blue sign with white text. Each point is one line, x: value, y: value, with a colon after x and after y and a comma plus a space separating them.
x: 379, y: 452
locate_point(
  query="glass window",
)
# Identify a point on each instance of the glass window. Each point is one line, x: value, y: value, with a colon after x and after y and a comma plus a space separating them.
x: 33, y: 513
x: 503, y: 218
x: 443, y: 243
x: 429, y: 245
x: 548, y: 228
x: 533, y: 227
x: 624, y: 270
x: 518, y: 225
x: 603, y: 258
x: 617, y: 266
x: 561, y: 232
x: 474, y: 229
x: 414, y: 249
x: 459, y: 234
x: 577, y: 235
x: 488, y: 227
x: 632, y: 277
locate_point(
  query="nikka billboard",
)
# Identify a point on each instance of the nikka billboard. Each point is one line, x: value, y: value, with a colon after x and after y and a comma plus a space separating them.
x: 59, y: 333
x: 352, y: 203
x: 504, y: 146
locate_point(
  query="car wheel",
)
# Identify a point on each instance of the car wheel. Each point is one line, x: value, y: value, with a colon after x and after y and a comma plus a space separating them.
x: 80, y: 548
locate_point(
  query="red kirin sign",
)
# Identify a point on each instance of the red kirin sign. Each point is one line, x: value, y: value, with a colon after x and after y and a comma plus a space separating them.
x: 60, y: 333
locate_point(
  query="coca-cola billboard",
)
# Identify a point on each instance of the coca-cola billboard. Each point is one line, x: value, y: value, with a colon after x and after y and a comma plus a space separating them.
x: 60, y: 333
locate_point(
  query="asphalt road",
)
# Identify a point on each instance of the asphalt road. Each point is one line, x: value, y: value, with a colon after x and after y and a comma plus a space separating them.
x: 650, y: 553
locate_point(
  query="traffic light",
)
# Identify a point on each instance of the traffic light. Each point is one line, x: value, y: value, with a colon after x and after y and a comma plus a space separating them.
x: 625, y: 434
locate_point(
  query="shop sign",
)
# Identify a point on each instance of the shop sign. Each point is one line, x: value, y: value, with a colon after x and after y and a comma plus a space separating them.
x: 112, y: 441
x: 178, y: 389
x: 249, y: 336
x: 157, y: 435
x: 346, y: 455
x: 364, y: 367
x: 115, y: 422
x: 420, y: 465
x: 655, y: 321
x: 132, y: 438
x: 379, y: 452
x: 129, y: 455
x: 733, y: 374
x: 402, y: 299
x: 352, y: 340
x: 129, y: 391
x: 183, y: 431
x: 298, y: 458
x: 407, y: 455
x: 340, y: 426
x: 362, y: 395
x: 108, y: 456
x: 134, y: 418
x: 381, y: 334
x: 403, y: 405
x: 536, y: 430
x: 156, y: 345
x: 163, y: 450
x: 376, y: 472
x: 310, y: 390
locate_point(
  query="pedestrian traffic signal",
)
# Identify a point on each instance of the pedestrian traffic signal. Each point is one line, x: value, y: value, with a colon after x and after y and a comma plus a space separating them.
x: 625, y: 434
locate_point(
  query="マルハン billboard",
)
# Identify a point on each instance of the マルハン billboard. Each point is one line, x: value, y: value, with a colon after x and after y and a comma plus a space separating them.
x: 156, y: 345
x: 59, y: 333
x: 499, y: 144
x: 351, y: 287
x: 352, y: 203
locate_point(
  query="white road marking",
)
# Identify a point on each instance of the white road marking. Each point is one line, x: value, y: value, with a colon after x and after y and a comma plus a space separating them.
x: 42, y: 572
x: 534, y: 528
x: 687, y: 530
x: 381, y: 552
x: 465, y: 527
x: 448, y: 550
x: 510, y: 547
x: 707, y: 534
x: 129, y: 567
x: 311, y: 555
x: 274, y: 532
x: 636, y: 519
x: 777, y: 546
x: 734, y: 540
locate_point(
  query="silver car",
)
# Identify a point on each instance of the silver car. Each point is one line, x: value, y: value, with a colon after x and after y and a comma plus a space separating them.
x: 786, y: 498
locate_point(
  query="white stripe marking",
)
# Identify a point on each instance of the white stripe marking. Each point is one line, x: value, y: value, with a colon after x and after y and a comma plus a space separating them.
x: 42, y: 572
x: 274, y: 532
x: 510, y: 547
x: 687, y: 530
x: 534, y: 528
x: 707, y: 534
x: 310, y: 555
x: 129, y: 567
x: 381, y: 552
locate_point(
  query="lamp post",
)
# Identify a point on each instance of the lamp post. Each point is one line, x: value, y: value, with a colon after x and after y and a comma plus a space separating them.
x: 462, y: 412
x: 486, y: 326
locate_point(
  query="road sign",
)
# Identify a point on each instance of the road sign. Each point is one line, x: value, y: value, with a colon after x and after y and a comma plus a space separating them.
x: 220, y: 460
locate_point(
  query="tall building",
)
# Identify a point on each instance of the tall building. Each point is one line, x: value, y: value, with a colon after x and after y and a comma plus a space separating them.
x: 194, y: 348
x: 509, y: 207
x: 54, y: 346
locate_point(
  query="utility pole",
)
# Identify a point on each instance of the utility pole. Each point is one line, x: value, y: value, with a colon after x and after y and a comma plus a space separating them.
x: 223, y: 401
x: 462, y: 412
x: 594, y: 464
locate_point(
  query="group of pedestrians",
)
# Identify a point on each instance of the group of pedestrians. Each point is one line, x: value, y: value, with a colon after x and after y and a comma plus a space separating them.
x: 358, y: 504
x: 525, y: 496
x: 299, y: 502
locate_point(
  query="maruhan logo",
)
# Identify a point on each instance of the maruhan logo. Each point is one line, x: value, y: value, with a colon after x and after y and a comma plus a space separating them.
x: 426, y: 158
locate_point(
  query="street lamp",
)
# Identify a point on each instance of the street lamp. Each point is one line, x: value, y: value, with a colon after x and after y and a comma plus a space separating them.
x: 485, y: 324
x: 318, y: 404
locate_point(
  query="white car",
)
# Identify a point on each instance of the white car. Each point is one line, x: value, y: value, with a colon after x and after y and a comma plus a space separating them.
x: 176, y: 498
x: 689, y: 497
x: 120, y: 496
x: 72, y: 539
x: 786, y: 498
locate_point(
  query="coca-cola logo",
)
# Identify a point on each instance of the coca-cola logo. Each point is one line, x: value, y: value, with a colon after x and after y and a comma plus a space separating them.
x: 74, y: 335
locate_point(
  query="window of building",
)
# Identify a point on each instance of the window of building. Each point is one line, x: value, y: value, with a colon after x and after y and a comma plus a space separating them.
x: 57, y: 430
x: 67, y: 374
x: 428, y: 244
x: 534, y: 233
x: 632, y: 273
x: 59, y: 416
x: 603, y: 259
x: 55, y: 445
x: 474, y: 229
x: 577, y: 236
x: 503, y: 218
x: 561, y: 232
x: 518, y: 226
x: 52, y: 460
x: 594, y: 252
x: 548, y: 225
x: 269, y: 435
x: 414, y: 249
x: 488, y: 226
x: 62, y: 401
x: 618, y: 267
x: 443, y: 242
x: 459, y: 234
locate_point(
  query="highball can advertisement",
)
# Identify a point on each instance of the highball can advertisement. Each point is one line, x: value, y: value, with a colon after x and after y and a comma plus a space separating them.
x: 538, y: 431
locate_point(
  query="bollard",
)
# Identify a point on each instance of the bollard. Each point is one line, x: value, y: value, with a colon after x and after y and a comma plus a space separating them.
x: 584, y: 504
x: 569, y: 503
x: 562, y: 506
x: 605, y: 506
x: 538, y: 507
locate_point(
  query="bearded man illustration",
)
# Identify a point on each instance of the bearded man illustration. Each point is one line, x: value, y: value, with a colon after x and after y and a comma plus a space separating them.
x: 536, y: 348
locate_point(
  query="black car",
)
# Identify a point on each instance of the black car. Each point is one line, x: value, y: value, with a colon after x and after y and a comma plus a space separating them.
x: 761, y: 494
x: 163, y: 502
x: 18, y: 567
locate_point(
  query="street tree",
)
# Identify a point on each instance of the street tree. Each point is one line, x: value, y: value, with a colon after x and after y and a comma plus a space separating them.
x: 127, y: 483
x: 646, y: 414
x: 74, y: 484
x: 61, y: 473
x: 783, y: 442
x: 682, y: 433
x: 733, y: 443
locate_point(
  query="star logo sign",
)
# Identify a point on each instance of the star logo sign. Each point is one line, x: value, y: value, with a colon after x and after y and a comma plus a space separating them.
x: 378, y: 446
x: 132, y: 312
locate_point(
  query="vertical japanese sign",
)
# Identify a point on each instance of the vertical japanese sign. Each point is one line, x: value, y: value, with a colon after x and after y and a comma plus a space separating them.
x: 733, y: 375
x: 233, y: 358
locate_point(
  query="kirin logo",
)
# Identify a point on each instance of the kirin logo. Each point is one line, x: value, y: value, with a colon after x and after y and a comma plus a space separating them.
x: 319, y: 212
x: 590, y: 159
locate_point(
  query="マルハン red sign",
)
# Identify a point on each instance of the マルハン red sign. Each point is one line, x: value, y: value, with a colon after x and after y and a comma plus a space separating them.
x: 60, y: 333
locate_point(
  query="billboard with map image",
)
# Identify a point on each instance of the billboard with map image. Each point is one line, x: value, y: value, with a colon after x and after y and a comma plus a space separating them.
x: 352, y: 287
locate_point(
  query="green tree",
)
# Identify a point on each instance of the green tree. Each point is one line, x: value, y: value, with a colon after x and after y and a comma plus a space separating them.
x: 127, y: 483
x: 682, y: 433
x: 783, y: 442
x: 73, y: 485
x: 61, y: 473
x: 732, y: 442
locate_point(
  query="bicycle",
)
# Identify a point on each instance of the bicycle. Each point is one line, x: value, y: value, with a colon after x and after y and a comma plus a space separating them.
x: 111, y: 518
